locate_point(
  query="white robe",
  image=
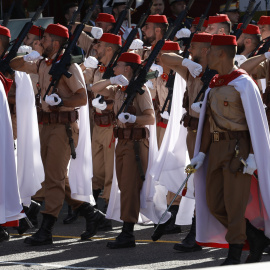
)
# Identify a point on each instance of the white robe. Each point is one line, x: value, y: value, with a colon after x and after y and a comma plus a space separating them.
x: 209, y: 231
x: 10, y: 201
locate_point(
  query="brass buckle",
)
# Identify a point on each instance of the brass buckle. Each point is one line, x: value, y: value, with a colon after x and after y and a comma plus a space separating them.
x: 216, y: 136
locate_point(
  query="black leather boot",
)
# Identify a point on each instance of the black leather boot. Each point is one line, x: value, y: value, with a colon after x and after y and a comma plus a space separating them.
x: 44, y: 235
x: 93, y: 218
x: 4, y: 234
x: 234, y: 254
x: 160, y: 230
x: 125, y: 239
x: 31, y: 213
x: 106, y: 225
x: 257, y: 243
x: 172, y: 228
x: 71, y: 216
x: 189, y: 243
x: 96, y: 193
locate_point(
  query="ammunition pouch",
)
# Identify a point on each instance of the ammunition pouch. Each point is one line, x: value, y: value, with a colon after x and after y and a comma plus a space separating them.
x: 134, y: 134
x: 57, y: 117
x: 189, y: 121
x: 185, y: 104
x: 104, y: 119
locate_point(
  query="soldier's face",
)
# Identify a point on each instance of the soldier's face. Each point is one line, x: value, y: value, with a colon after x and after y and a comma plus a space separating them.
x: 47, y: 44
x: 106, y: 27
x: 212, y: 29
x: 29, y: 39
x: 195, y: 51
x: 157, y: 7
x: 120, y: 68
x: 100, y: 50
x: 148, y: 32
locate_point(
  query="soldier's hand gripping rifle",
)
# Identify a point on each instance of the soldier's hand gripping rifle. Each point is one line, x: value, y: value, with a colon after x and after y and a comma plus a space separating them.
x: 8, y: 15
x: 61, y: 68
x: 247, y: 21
x: 136, y: 83
x: 109, y: 70
x: 171, y: 78
x: 122, y: 17
x: 4, y: 63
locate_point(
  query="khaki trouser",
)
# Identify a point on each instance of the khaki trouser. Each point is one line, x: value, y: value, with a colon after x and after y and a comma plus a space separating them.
x: 191, y: 140
x: 129, y: 180
x: 103, y: 147
x: 14, y: 125
x: 160, y: 135
x: 227, y: 193
x: 55, y: 153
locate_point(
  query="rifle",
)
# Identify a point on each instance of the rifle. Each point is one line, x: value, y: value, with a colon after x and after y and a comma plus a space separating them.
x: 137, y: 82
x: 122, y: 17
x: 198, y: 28
x: 61, y: 68
x: 8, y: 15
x: 74, y: 16
x: 227, y: 6
x: 249, y: 9
x: 109, y: 70
x: 4, y: 63
x: 247, y: 21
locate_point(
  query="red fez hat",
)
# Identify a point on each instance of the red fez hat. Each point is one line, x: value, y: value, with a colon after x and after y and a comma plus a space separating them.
x: 223, y: 40
x: 218, y: 19
x: 105, y: 17
x: 35, y: 30
x: 170, y: 46
x: 196, y: 22
x: 130, y: 58
x: 202, y: 37
x: 111, y: 38
x: 264, y: 20
x: 157, y: 19
x: 4, y: 31
x: 251, y: 29
x: 57, y: 30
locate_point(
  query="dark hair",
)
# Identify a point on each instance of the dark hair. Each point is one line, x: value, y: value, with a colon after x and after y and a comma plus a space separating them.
x: 61, y: 40
x: 134, y: 66
x: 227, y: 27
x: 68, y: 6
x: 256, y: 39
x: 230, y: 50
x: 115, y: 47
x: 5, y: 42
x: 162, y: 26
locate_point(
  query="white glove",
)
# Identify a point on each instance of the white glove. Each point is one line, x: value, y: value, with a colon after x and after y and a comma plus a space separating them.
x: 198, y: 160
x: 136, y: 44
x: 53, y: 100
x: 96, y: 32
x: 240, y: 59
x: 251, y: 165
x: 119, y: 79
x: 34, y: 55
x: 194, y: 68
x: 159, y: 68
x: 183, y: 33
x: 126, y: 34
x: 127, y: 118
x: 102, y: 106
x: 165, y: 115
x: 267, y: 55
x: 90, y: 62
x: 25, y: 49
x: 149, y: 84
x: 196, y: 107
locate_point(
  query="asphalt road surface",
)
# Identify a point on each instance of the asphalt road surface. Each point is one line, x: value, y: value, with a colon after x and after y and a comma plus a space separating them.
x: 68, y: 252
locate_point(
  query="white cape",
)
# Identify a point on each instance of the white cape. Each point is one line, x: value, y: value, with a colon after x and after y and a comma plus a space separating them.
x: 29, y: 164
x: 10, y: 201
x: 172, y: 157
x: 81, y: 168
x: 208, y: 229
x: 152, y: 206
